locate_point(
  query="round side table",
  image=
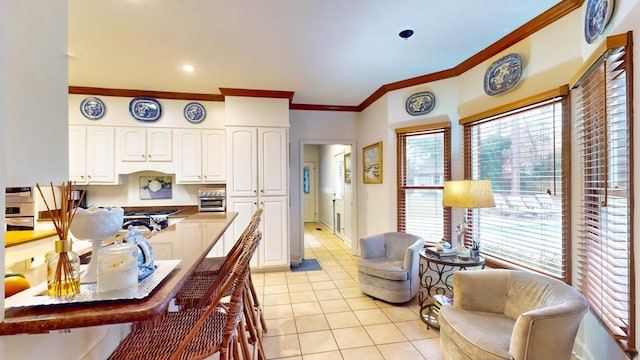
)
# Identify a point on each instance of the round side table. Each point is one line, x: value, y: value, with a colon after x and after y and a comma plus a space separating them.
x: 435, y: 279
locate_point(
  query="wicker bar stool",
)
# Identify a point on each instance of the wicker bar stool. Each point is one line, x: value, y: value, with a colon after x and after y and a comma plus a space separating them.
x: 195, y: 288
x: 199, y: 332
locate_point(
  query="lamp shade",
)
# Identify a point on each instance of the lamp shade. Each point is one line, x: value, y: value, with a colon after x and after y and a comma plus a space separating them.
x: 468, y: 194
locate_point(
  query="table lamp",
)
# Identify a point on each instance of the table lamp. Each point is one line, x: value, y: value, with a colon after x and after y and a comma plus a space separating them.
x: 468, y: 194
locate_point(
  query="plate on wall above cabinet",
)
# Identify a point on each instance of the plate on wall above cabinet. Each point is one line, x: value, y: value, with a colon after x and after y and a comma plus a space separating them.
x: 503, y: 75
x: 145, y: 109
x: 420, y: 103
x: 194, y: 112
x: 92, y: 108
x: 596, y: 16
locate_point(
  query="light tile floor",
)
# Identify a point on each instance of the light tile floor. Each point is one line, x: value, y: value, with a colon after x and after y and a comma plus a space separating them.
x: 317, y: 315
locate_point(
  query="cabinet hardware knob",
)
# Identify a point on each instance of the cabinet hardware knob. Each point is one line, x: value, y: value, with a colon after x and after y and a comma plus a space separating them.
x: 149, y: 156
x: 142, y: 155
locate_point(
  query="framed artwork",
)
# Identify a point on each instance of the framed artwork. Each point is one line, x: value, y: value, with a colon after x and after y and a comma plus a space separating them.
x: 347, y: 168
x: 372, y: 164
x: 155, y: 187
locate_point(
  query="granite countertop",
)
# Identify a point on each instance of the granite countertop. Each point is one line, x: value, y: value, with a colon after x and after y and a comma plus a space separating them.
x: 176, y: 242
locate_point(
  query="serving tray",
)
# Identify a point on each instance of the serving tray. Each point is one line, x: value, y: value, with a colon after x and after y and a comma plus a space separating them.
x: 37, y: 295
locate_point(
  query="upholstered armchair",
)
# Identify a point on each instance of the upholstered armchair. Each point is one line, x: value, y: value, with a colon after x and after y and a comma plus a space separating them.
x: 388, y: 267
x: 510, y: 314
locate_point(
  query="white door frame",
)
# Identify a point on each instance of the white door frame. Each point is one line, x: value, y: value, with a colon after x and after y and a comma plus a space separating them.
x: 353, y: 236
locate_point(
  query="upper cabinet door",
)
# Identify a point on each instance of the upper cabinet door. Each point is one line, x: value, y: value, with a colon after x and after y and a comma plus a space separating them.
x: 214, y: 159
x: 273, y: 145
x: 101, y: 155
x: 188, y: 149
x: 159, y: 145
x: 132, y: 142
x: 242, y: 162
x: 78, y: 154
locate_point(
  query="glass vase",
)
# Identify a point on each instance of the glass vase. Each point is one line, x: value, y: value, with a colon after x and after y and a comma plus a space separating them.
x: 63, y: 270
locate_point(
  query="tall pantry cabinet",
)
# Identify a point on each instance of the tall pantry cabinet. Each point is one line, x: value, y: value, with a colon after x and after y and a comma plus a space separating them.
x: 258, y: 179
x: 258, y: 174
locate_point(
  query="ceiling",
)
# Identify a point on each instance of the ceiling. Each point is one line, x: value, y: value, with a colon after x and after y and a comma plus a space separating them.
x: 328, y: 52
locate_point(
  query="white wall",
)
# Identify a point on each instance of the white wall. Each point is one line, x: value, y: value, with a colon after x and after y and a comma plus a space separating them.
x: 35, y: 92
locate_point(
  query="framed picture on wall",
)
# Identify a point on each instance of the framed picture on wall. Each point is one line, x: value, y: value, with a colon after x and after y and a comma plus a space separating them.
x: 347, y: 168
x: 372, y: 164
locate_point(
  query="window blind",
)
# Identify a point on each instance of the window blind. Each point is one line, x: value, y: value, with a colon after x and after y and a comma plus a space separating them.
x: 521, y: 152
x: 604, y: 133
x: 423, y: 165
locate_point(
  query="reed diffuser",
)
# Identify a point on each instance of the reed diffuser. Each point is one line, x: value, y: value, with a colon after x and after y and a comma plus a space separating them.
x: 63, y: 265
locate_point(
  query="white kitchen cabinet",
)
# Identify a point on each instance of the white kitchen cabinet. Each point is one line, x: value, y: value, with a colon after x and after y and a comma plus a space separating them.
x: 273, y: 250
x: 258, y: 161
x: 144, y: 144
x: 201, y: 156
x: 257, y: 176
x: 91, y: 154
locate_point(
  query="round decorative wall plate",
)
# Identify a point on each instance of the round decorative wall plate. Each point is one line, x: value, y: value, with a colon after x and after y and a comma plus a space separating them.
x: 596, y: 17
x: 92, y: 108
x: 145, y: 109
x: 420, y: 103
x: 194, y: 112
x: 503, y: 75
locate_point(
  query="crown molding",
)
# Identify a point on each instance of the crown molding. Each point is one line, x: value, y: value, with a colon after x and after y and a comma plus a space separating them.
x: 258, y: 93
x: 150, y: 93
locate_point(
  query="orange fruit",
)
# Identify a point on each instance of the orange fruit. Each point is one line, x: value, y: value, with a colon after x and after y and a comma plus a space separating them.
x: 14, y: 284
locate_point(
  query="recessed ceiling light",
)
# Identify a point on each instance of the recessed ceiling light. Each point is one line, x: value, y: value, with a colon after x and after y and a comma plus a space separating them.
x: 405, y: 34
x: 188, y: 68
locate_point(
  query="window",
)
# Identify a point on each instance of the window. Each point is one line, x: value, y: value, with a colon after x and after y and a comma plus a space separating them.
x: 423, y: 166
x: 520, y: 149
x: 603, y: 132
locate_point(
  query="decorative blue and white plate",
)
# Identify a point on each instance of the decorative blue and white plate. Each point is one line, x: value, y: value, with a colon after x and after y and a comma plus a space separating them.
x: 420, y: 103
x: 92, y: 108
x: 503, y: 75
x: 194, y: 112
x: 596, y: 18
x: 145, y: 109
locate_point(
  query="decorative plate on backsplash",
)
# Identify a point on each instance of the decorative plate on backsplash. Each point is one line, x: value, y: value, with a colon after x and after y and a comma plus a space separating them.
x: 145, y: 109
x: 194, y: 112
x: 503, y: 75
x: 92, y: 108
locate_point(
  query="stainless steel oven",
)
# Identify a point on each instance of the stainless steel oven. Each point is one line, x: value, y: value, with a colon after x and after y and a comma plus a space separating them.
x: 19, y: 209
x: 212, y: 200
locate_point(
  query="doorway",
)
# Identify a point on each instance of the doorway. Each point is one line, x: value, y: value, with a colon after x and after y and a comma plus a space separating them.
x: 328, y: 190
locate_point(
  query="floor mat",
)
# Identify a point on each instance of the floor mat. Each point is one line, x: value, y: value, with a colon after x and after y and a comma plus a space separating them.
x: 307, y: 265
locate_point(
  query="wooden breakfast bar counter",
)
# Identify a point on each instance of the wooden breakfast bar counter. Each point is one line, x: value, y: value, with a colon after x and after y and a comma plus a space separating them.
x: 188, y: 241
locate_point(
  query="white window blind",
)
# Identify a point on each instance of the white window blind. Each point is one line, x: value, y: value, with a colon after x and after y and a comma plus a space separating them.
x: 520, y: 151
x: 423, y: 166
x: 603, y: 132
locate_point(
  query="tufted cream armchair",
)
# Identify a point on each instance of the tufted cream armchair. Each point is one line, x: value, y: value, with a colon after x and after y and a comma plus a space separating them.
x: 388, y: 267
x: 509, y: 314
